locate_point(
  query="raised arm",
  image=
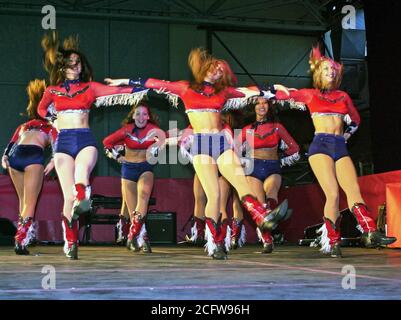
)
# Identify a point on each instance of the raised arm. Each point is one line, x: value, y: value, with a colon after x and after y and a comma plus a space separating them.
x: 294, y: 99
x: 174, y: 87
x: 101, y: 90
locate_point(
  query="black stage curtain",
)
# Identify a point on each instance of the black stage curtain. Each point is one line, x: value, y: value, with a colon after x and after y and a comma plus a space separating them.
x: 383, y: 25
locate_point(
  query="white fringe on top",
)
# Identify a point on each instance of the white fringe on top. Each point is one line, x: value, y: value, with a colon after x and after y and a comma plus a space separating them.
x: 290, y: 160
x: 125, y: 99
x: 237, y: 103
x: 292, y: 104
x: 172, y: 98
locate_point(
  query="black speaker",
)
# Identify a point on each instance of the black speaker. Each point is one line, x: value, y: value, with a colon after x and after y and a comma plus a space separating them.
x: 353, y: 44
x: 162, y: 227
x: 7, y: 232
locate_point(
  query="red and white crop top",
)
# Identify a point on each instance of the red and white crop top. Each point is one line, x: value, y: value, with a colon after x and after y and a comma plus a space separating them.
x: 35, y: 125
x: 32, y: 125
x: 205, y: 100
x: 333, y: 103
x: 260, y: 135
x: 78, y: 99
x: 133, y: 137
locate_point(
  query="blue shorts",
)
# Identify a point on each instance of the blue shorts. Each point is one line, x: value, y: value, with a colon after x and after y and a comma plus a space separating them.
x: 211, y: 144
x: 330, y: 144
x: 72, y: 141
x: 24, y: 155
x: 133, y: 170
x: 262, y: 169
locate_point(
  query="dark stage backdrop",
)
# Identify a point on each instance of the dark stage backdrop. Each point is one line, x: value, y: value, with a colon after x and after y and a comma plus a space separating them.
x: 384, y: 64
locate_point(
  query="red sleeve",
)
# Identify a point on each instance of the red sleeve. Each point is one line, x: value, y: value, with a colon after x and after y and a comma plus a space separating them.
x: 301, y: 95
x: 352, y: 112
x: 292, y: 146
x: 16, y: 134
x: 115, y: 138
x: 232, y: 92
x: 177, y: 87
x: 44, y: 103
x: 100, y: 89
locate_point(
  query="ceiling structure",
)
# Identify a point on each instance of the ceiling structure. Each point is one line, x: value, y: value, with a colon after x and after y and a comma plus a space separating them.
x: 269, y: 16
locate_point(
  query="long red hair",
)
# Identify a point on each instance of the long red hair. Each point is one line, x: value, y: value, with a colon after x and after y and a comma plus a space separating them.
x: 201, y: 62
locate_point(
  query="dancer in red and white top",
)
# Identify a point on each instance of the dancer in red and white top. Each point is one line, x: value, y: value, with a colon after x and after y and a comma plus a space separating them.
x: 70, y: 97
x: 141, y: 138
x: 24, y: 159
x: 332, y: 110
x: 267, y: 147
x: 204, y: 98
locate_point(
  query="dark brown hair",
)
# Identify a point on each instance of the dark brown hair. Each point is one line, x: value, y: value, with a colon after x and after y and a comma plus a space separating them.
x: 56, y: 58
x: 152, y: 117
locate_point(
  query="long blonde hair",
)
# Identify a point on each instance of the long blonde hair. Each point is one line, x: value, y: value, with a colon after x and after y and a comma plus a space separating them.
x: 35, y: 90
x: 316, y: 62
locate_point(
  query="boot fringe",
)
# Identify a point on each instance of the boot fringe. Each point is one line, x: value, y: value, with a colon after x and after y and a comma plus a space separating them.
x: 227, y: 239
x: 210, y: 245
x: 141, y: 236
x: 324, y: 239
x: 29, y: 235
x: 242, y: 238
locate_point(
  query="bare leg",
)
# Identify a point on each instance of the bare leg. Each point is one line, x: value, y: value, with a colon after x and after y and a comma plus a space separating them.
x: 257, y: 186
x: 129, y: 190
x: 145, y: 186
x: 348, y: 181
x: 225, y: 192
x: 324, y: 169
x: 231, y: 169
x: 237, y: 208
x: 65, y: 167
x: 17, y: 177
x: 32, y: 187
x: 272, y: 186
x: 200, y: 199
x: 207, y: 173
x: 85, y: 161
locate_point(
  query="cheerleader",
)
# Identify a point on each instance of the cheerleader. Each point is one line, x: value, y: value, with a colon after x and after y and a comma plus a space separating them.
x: 72, y: 93
x: 331, y: 110
x: 267, y: 147
x: 140, y: 135
x: 24, y: 160
x: 204, y: 99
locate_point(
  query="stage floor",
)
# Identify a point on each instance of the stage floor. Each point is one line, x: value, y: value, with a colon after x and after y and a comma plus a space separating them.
x: 183, y: 273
